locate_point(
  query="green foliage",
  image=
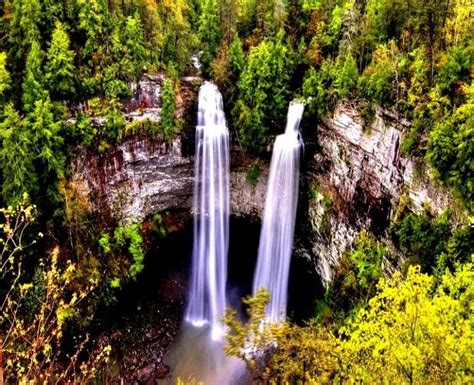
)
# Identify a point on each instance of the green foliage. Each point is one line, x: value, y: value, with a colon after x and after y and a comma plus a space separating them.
x: 451, y: 149
x: 367, y: 113
x: 209, y: 31
x: 253, y: 174
x: 263, y: 92
x: 131, y: 238
x: 114, y: 121
x: 455, y: 69
x: 380, y: 79
x: 15, y: 157
x: 33, y: 87
x: 46, y: 142
x: 134, y: 56
x: 408, y: 334
x: 280, y: 353
x: 433, y: 242
x: 168, y: 120
x: 346, y: 75
x: 355, y: 278
x: 59, y: 69
x: 315, y: 92
x: 5, y: 80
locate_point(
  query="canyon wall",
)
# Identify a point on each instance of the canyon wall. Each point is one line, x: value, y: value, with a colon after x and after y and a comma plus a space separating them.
x: 359, y: 179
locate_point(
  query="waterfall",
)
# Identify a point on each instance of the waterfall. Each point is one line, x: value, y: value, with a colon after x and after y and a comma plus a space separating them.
x: 207, y: 299
x: 276, y: 237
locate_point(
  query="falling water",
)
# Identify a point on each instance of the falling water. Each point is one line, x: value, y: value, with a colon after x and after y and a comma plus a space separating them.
x: 211, y: 213
x: 276, y: 237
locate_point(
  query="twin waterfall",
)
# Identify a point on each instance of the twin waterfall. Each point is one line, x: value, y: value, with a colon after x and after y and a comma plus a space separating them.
x: 276, y: 236
x: 207, y: 300
x: 207, y: 297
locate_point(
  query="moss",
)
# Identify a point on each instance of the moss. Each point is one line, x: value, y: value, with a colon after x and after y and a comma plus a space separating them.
x: 253, y: 173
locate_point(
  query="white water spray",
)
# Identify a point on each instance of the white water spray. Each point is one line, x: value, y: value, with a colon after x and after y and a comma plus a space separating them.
x: 207, y: 299
x: 276, y: 237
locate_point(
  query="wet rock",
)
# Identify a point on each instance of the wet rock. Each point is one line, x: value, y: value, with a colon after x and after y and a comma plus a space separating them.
x: 145, y: 373
x: 162, y: 371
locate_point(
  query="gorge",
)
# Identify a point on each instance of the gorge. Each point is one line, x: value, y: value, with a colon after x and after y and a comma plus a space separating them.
x: 159, y: 225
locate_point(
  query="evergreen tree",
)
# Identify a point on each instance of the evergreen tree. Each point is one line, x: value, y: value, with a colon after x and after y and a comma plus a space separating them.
x: 5, y: 80
x: 60, y: 64
x: 33, y: 87
x: 16, y: 157
x: 24, y: 26
x: 46, y: 145
x: 209, y: 31
x: 347, y: 75
x: 134, y: 56
x: 263, y: 92
x: 92, y: 19
x: 168, y: 121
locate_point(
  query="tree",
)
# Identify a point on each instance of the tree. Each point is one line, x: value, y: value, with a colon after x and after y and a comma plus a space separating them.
x: 35, y: 310
x: 450, y: 149
x: 178, y: 39
x: 380, y: 80
x: 280, y: 353
x: 408, y: 334
x: 263, y: 92
x: 209, y: 31
x: 60, y: 70
x: 24, y: 28
x: 168, y: 120
x: 5, y: 80
x: 92, y: 18
x: 46, y: 140
x: 16, y: 158
x: 455, y: 69
x: 33, y: 84
x: 346, y: 75
x: 134, y: 56
x: 315, y: 93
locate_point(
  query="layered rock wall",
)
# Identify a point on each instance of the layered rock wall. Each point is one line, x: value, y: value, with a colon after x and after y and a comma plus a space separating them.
x: 138, y: 178
x: 359, y: 178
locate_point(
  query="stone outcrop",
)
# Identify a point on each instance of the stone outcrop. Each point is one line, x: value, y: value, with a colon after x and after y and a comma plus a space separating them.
x: 139, y: 178
x: 359, y: 177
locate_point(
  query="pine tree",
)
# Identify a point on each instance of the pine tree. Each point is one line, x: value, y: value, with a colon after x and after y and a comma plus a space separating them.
x: 16, y: 157
x: 209, y: 31
x: 23, y: 28
x: 46, y: 144
x: 5, y: 80
x: 264, y: 91
x: 33, y: 88
x: 60, y: 64
x: 135, y: 52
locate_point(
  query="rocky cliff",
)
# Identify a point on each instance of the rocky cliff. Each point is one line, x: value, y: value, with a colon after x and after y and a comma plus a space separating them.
x: 358, y: 178
x: 138, y: 178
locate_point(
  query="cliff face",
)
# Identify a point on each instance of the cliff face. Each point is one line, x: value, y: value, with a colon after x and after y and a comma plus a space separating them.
x: 359, y: 177
x: 139, y: 178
